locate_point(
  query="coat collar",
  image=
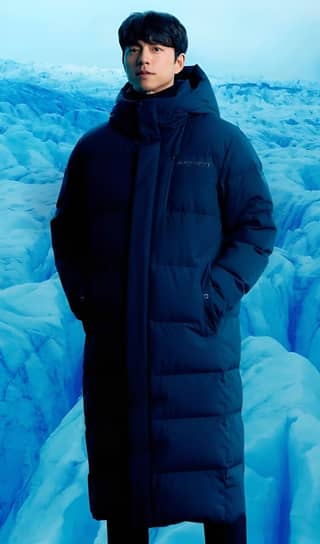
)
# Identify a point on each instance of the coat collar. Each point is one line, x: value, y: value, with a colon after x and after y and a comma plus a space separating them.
x: 141, y: 118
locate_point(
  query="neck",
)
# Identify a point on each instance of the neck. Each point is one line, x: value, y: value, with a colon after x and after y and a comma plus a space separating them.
x: 168, y: 91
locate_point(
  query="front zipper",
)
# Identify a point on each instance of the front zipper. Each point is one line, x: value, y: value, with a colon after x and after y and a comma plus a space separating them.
x: 173, y: 159
x: 169, y: 177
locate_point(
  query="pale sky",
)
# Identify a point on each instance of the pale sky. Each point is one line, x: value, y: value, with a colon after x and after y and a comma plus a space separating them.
x: 277, y: 39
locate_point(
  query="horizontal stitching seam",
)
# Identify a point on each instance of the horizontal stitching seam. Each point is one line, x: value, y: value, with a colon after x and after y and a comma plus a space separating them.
x: 192, y: 372
x: 223, y: 414
x: 179, y: 210
x: 172, y: 265
x: 181, y: 322
x: 212, y: 467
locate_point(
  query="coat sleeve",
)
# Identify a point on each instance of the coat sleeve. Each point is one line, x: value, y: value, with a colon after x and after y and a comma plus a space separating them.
x: 248, y: 229
x: 68, y: 234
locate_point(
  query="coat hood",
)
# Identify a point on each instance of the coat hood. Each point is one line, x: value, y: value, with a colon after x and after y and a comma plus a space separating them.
x: 141, y: 118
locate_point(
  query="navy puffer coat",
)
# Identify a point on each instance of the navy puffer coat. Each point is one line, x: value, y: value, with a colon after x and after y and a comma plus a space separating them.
x: 163, y: 222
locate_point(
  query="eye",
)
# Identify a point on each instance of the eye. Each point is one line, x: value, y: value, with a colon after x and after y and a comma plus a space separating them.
x: 157, y: 48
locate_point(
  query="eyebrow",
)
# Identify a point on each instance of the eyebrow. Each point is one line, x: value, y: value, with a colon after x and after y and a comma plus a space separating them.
x: 147, y: 43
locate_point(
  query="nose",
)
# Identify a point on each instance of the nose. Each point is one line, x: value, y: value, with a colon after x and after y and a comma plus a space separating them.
x: 143, y: 57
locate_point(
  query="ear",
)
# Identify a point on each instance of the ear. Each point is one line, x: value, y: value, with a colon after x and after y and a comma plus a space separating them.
x: 179, y: 63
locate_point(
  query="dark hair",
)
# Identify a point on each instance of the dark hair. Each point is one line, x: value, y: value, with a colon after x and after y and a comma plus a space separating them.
x: 153, y: 27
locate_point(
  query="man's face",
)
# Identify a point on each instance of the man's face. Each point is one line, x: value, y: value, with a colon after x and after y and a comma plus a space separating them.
x: 150, y: 68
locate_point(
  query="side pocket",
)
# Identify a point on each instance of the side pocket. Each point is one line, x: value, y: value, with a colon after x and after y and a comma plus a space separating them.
x: 82, y: 302
x: 208, y: 315
x: 77, y: 304
x: 206, y: 298
x: 86, y: 313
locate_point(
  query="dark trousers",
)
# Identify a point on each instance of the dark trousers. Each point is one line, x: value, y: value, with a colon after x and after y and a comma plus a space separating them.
x: 214, y: 533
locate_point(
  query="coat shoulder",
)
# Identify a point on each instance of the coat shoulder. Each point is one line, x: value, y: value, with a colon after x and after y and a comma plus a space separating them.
x: 239, y: 151
x: 101, y: 139
x: 210, y: 122
x: 229, y: 133
x: 229, y: 144
x: 93, y: 136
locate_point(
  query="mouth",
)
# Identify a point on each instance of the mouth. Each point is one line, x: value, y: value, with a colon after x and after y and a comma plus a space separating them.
x: 144, y: 74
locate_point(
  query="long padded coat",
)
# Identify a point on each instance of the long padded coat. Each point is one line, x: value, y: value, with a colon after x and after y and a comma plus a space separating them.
x: 163, y: 222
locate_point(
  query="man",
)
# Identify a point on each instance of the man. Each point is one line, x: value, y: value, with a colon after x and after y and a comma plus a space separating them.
x: 163, y: 222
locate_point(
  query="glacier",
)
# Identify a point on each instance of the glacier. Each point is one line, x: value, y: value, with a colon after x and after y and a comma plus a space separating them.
x: 44, y: 109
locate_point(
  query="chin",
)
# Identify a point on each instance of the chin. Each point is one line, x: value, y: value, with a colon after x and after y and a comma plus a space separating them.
x: 144, y: 89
